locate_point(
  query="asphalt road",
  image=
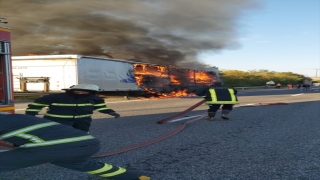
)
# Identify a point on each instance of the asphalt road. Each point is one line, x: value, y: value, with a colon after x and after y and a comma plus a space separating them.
x: 275, y: 142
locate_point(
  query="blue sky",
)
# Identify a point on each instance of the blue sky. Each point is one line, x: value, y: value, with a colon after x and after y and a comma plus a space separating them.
x: 282, y: 35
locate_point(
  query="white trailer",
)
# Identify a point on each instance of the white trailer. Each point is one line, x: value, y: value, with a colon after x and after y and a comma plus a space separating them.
x: 64, y: 71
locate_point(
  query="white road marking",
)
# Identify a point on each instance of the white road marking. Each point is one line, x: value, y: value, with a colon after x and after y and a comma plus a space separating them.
x: 180, y: 119
x: 297, y: 94
x: 190, y: 117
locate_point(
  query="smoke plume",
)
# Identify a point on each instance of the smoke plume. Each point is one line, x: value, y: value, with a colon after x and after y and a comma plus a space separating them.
x: 157, y: 31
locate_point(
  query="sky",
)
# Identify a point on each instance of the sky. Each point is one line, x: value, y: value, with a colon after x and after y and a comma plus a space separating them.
x: 274, y: 35
x: 280, y: 35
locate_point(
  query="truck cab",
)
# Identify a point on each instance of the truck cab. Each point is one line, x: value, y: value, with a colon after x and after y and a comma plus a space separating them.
x: 6, y: 86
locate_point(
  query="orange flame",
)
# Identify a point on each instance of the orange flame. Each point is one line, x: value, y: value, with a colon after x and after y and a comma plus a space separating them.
x: 148, y: 76
x: 31, y: 54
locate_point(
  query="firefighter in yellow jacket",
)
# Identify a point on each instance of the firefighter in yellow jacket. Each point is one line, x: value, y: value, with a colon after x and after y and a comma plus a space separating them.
x: 73, y: 108
x: 39, y: 141
x: 217, y: 95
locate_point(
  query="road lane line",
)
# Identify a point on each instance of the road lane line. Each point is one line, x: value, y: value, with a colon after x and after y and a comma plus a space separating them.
x: 184, y: 118
x: 297, y: 94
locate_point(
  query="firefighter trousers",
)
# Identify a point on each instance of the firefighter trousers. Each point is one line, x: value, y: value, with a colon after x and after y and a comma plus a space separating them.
x: 213, y: 108
x: 75, y: 158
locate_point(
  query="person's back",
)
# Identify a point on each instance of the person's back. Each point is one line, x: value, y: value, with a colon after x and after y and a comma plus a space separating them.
x: 223, y: 94
x: 216, y: 95
x: 216, y: 85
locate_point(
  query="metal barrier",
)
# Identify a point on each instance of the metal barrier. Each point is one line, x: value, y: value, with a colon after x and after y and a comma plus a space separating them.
x: 252, y: 87
x: 25, y: 80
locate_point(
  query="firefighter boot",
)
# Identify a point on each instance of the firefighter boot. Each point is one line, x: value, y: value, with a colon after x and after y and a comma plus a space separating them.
x: 224, y: 114
x: 144, y: 178
x: 210, y: 116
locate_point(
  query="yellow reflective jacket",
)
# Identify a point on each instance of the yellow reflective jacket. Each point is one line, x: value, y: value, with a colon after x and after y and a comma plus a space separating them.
x: 221, y: 95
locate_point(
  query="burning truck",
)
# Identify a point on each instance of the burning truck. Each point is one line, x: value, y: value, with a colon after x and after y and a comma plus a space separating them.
x: 51, y: 73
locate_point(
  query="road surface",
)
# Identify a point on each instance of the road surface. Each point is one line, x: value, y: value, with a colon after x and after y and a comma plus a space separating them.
x: 275, y: 142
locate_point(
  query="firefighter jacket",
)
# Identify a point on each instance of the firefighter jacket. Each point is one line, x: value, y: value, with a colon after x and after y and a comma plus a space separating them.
x: 33, y: 137
x: 27, y: 132
x: 69, y: 109
x: 217, y: 94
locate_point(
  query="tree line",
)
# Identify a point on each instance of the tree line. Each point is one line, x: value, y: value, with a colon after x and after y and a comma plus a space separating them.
x: 259, y: 77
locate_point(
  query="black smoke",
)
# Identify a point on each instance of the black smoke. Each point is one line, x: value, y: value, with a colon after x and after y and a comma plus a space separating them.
x: 157, y: 31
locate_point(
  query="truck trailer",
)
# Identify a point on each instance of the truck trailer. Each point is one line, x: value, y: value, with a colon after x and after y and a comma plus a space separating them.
x: 51, y: 73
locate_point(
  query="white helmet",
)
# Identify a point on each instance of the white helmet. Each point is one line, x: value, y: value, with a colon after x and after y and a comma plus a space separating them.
x: 87, y: 87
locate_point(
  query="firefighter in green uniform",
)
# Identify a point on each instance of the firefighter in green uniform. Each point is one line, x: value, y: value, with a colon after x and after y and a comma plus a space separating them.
x: 73, y: 108
x: 217, y: 95
x: 39, y: 141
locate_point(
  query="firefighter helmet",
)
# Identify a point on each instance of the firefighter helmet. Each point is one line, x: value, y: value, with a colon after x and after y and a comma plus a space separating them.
x: 85, y: 87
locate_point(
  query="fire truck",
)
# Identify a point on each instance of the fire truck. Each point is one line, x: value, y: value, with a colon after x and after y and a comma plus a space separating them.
x: 6, y: 82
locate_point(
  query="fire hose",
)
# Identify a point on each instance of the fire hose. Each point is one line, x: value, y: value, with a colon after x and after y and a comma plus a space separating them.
x: 173, y: 132
x: 149, y: 142
x: 160, y: 138
x: 6, y: 145
x: 181, y: 113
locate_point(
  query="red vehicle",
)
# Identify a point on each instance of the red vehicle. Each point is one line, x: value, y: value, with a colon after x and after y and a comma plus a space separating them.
x: 6, y: 86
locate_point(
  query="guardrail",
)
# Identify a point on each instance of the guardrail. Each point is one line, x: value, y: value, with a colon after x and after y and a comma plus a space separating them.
x: 253, y: 87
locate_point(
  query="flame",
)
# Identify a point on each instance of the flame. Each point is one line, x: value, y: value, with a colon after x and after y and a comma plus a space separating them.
x: 204, y: 77
x: 156, y: 80
x: 31, y: 55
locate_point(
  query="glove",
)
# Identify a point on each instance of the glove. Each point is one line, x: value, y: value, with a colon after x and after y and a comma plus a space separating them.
x: 116, y: 115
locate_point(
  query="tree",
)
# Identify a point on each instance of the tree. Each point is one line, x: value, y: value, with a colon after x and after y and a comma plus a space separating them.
x: 258, y: 77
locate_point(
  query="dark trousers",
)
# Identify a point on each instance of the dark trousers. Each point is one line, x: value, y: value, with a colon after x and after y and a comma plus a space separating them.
x: 213, y: 108
x: 79, y: 123
x: 75, y: 157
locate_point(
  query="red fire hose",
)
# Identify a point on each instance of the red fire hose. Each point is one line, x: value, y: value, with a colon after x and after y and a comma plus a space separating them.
x: 160, y: 138
x: 181, y: 113
x: 6, y: 145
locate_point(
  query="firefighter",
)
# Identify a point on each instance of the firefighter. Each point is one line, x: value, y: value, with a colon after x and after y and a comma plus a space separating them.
x: 217, y: 95
x: 73, y: 108
x: 39, y: 141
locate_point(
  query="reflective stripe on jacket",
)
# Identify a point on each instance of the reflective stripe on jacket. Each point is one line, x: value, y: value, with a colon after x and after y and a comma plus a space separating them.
x: 221, y: 96
x: 68, y: 109
x: 65, y: 104
x: 35, y: 141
